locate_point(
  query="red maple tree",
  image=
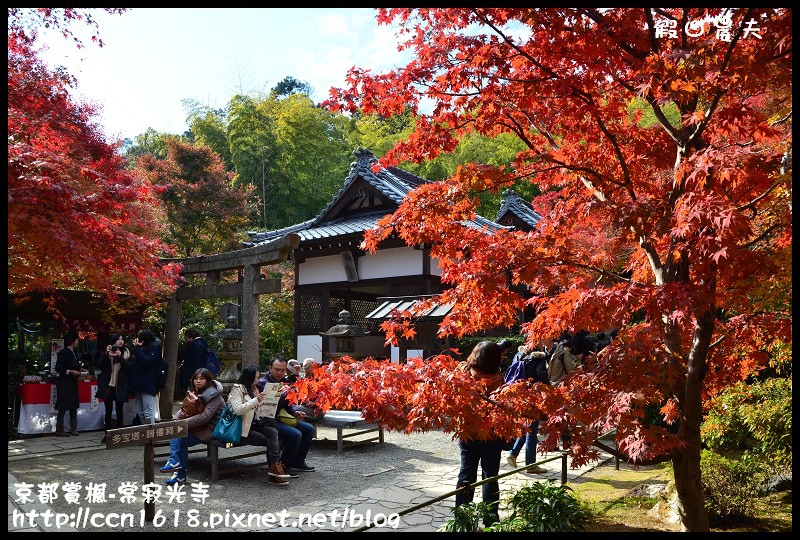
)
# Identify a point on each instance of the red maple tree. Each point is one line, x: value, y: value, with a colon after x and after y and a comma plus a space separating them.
x: 661, y: 140
x: 77, y: 219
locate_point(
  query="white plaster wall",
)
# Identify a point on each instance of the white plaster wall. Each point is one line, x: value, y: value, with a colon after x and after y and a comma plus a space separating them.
x: 309, y: 347
x: 321, y: 270
x: 412, y: 353
x: 435, y: 270
x: 405, y: 261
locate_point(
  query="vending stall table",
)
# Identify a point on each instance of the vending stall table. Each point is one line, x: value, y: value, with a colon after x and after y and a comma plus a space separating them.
x: 37, y: 413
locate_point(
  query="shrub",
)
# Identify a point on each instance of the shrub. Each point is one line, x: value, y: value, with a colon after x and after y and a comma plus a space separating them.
x: 756, y: 417
x: 545, y: 507
x: 730, y: 487
x: 467, y: 517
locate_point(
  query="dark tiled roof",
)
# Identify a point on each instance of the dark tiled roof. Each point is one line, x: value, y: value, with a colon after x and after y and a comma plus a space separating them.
x: 392, y: 183
x: 519, y: 207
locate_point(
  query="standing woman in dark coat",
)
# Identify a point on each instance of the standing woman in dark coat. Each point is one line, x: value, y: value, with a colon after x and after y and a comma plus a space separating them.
x: 147, y: 350
x: 68, y: 367
x: 112, y: 384
x: 483, y: 365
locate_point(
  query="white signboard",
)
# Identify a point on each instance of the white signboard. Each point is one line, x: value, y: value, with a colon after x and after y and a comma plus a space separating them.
x: 56, y: 347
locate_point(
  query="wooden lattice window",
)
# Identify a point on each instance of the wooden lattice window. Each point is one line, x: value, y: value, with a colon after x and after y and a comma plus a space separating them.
x: 359, y: 309
x: 310, y: 311
x: 336, y: 305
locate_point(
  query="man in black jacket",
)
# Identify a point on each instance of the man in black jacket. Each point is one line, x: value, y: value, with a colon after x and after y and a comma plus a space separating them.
x: 194, y: 356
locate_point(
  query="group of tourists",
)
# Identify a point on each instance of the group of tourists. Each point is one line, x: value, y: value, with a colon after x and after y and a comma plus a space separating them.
x: 286, y: 446
x: 548, y: 363
x: 122, y: 371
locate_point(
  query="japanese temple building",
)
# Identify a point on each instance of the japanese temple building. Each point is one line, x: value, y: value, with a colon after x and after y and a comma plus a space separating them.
x: 332, y: 274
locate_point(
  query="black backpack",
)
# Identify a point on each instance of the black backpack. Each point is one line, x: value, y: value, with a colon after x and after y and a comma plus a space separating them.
x: 536, y: 367
x: 162, y: 368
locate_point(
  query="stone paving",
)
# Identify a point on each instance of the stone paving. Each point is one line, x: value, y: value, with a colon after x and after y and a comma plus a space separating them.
x: 376, y: 481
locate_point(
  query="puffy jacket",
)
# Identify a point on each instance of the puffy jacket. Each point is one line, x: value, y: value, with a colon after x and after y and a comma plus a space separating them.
x: 202, y: 425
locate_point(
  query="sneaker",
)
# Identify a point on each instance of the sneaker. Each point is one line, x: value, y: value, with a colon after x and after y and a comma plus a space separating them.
x: 178, y: 478
x: 304, y: 467
x: 536, y: 469
x: 169, y: 467
x: 512, y: 461
x: 289, y: 471
x: 276, y: 470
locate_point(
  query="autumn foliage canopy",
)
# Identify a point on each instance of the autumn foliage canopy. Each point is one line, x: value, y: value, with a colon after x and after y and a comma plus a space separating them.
x: 77, y: 219
x: 661, y: 141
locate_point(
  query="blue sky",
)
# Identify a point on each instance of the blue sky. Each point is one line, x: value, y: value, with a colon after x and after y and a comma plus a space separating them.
x: 154, y: 58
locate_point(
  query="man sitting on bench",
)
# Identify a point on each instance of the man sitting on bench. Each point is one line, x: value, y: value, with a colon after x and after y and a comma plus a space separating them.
x: 296, y: 439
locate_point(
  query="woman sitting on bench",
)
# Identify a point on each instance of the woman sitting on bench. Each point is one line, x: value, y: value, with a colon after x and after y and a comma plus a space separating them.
x: 200, y: 425
x: 244, y: 399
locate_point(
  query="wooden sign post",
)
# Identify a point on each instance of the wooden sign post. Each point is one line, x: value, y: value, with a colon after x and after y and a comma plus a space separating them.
x: 145, y: 435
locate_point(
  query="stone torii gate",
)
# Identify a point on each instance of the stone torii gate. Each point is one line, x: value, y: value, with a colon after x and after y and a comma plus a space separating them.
x: 249, y: 289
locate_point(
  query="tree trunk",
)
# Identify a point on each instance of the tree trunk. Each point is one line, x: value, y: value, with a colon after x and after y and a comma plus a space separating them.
x: 686, y: 467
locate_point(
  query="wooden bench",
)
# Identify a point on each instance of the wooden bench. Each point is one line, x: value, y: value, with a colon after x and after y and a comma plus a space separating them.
x: 212, y: 449
x: 342, y: 420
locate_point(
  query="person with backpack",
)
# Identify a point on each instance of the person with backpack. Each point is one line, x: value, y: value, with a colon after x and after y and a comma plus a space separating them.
x: 194, y: 357
x: 527, y: 365
x: 147, y: 350
x: 561, y: 361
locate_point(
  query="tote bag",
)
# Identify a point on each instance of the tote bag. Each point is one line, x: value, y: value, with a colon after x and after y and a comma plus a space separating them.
x: 229, y: 427
x: 285, y: 417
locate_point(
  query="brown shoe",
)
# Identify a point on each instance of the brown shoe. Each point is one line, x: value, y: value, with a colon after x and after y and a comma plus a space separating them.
x: 73, y: 432
x: 277, y: 481
x: 276, y: 471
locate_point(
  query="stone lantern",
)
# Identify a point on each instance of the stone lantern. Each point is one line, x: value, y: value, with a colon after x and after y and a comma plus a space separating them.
x: 345, y: 335
x: 231, y: 354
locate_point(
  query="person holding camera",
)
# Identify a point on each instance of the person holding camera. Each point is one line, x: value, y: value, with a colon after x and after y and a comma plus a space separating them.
x: 113, y: 381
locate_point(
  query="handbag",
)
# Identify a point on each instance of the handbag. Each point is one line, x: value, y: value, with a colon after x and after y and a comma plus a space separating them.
x: 229, y: 427
x: 285, y: 417
x: 192, y: 405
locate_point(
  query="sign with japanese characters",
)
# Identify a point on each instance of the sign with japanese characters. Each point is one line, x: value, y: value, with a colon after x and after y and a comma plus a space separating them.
x: 139, y: 435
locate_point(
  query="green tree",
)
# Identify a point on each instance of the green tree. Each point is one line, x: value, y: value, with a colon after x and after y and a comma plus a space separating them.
x: 208, y: 127
x: 292, y: 151
x: 151, y: 142
x: 253, y: 151
x: 313, y: 158
x: 288, y: 86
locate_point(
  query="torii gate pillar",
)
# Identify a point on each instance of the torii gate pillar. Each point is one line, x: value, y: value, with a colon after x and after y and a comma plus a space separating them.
x: 249, y: 289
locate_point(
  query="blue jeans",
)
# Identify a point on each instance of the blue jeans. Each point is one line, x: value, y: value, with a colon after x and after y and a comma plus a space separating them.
x: 146, y: 407
x: 179, y: 450
x: 487, y: 454
x: 530, y: 442
x: 296, y: 442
